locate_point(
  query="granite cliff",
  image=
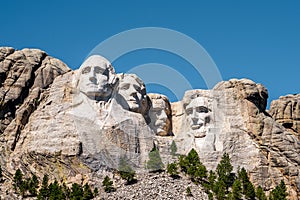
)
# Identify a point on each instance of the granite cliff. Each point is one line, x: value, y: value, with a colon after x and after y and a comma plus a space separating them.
x: 77, y: 125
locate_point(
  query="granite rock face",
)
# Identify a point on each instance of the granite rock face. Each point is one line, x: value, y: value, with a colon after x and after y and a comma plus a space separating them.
x: 232, y: 118
x: 77, y: 125
x: 286, y: 111
x: 24, y: 76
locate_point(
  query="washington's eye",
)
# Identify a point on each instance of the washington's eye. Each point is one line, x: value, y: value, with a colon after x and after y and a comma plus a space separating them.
x: 86, y: 70
x: 189, y: 111
x: 99, y: 70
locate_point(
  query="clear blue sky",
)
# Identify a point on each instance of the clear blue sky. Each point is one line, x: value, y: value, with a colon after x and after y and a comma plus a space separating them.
x: 259, y: 40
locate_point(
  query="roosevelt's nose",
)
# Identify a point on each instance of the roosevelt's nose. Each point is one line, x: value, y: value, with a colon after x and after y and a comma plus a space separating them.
x: 163, y: 115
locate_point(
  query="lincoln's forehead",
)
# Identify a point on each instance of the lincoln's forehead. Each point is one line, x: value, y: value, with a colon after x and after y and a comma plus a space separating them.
x: 199, y: 101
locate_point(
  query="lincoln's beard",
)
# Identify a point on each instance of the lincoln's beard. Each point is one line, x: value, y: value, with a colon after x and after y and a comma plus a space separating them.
x: 200, y: 133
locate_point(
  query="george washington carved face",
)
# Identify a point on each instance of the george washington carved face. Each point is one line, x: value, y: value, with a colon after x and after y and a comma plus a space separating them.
x: 96, y: 78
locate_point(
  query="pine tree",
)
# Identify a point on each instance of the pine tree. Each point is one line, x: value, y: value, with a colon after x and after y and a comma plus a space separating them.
x: 189, y: 191
x: 125, y: 170
x: 33, y: 184
x: 172, y: 170
x: 1, y: 173
x: 260, y: 194
x: 212, y: 179
x: 173, y: 148
x: 107, y: 184
x: 236, y: 190
x: 18, y: 179
x: 219, y: 189
x: 154, y: 163
x: 224, y: 171
x: 44, y: 190
x: 55, y: 191
x: 192, y: 166
x: 76, y: 192
x: 96, y: 191
x: 279, y: 193
x: 87, y: 192
x: 247, y: 187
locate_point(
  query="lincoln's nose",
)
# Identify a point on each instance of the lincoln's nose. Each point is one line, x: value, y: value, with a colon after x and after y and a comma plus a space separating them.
x: 93, y: 79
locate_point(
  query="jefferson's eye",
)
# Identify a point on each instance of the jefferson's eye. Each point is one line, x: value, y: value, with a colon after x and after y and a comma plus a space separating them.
x: 124, y: 87
x: 86, y: 70
x: 137, y: 88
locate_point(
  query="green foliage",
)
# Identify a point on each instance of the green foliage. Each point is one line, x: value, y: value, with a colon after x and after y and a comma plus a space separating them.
x: 76, y: 192
x: 219, y: 189
x: 55, y: 191
x: 96, y: 192
x: 247, y: 187
x: 125, y: 171
x: 224, y: 171
x: 172, y: 169
x: 87, y: 192
x: 279, y: 193
x: 154, y: 163
x: 236, y: 190
x: 173, y: 148
x: 18, y: 179
x: 44, y: 192
x: 33, y: 184
x: 107, y: 185
x: 212, y: 179
x: 1, y: 173
x: 192, y: 166
x: 188, y: 191
x: 260, y: 194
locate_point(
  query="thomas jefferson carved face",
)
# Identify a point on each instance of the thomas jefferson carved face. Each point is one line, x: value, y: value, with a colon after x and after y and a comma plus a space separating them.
x: 198, y: 116
x: 95, y: 78
x: 133, y: 91
x: 159, y: 113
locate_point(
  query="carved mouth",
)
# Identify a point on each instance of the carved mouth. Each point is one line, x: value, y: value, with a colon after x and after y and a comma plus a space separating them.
x: 196, y: 126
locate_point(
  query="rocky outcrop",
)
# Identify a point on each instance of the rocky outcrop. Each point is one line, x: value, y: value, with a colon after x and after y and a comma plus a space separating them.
x: 25, y: 75
x: 77, y: 125
x: 286, y: 111
x: 232, y: 118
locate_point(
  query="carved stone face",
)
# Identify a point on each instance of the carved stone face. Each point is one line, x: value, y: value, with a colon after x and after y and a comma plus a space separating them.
x: 159, y: 114
x: 132, y: 90
x: 94, y: 77
x: 198, y: 116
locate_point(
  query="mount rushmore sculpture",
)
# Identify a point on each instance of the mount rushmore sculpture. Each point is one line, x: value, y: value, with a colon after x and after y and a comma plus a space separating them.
x: 96, y: 117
